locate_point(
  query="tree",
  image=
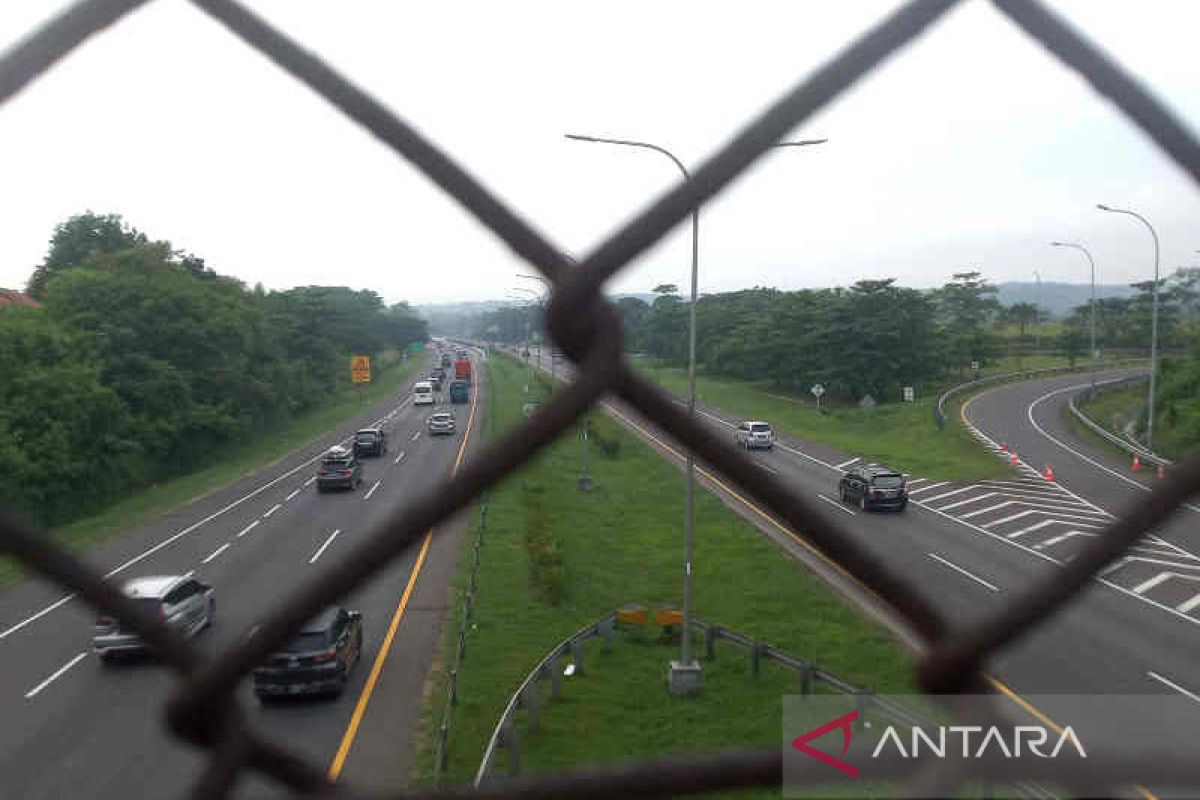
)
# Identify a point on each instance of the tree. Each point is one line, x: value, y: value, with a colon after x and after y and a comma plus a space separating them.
x: 966, y: 305
x: 77, y: 240
x: 1023, y: 315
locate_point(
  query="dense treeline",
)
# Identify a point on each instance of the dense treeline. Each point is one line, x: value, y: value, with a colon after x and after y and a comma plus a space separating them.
x: 143, y: 362
x: 873, y: 337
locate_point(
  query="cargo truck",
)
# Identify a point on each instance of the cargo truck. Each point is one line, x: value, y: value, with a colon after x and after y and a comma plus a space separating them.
x: 462, y: 369
x: 460, y: 391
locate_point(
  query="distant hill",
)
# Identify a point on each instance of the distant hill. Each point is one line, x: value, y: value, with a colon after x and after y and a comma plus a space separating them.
x: 1057, y: 298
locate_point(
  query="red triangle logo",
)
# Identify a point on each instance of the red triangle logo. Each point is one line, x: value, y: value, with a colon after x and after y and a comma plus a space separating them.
x: 843, y: 722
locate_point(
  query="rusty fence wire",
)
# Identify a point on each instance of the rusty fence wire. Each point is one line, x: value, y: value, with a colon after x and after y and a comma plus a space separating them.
x: 203, y: 710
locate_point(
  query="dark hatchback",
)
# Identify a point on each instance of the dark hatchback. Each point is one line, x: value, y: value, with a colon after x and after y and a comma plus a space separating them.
x: 318, y: 660
x: 873, y: 487
x: 370, y: 442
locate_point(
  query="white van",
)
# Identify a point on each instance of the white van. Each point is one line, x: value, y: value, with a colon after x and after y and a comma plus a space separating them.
x: 423, y: 393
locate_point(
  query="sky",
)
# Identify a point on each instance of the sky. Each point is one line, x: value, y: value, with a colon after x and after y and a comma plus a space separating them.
x: 971, y: 149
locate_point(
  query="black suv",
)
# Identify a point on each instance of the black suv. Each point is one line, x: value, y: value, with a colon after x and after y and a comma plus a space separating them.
x: 873, y: 486
x: 339, y: 469
x: 317, y: 660
x: 370, y: 442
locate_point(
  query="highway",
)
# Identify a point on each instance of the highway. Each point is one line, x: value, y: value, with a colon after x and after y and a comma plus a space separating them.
x: 76, y: 728
x: 972, y: 546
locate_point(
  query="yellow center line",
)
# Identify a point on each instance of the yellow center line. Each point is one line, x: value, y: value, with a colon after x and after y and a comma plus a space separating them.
x: 360, y: 708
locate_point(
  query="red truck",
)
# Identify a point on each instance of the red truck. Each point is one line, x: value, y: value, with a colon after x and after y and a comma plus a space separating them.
x: 462, y: 369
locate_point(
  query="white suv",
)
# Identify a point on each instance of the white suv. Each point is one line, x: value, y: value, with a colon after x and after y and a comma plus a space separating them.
x: 423, y: 394
x: 753, y: 434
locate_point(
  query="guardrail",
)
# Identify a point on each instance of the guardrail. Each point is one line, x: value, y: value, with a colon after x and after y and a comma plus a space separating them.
x: 526, y: 696
x: 460, y: 653
x: 1133, y: 448
x: 939, y: 412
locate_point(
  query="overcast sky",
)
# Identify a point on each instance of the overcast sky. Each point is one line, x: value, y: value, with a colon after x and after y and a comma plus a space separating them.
x: 971, y: 149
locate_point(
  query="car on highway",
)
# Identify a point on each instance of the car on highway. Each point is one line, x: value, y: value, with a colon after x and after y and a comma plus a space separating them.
x: 370, y: 442
x: 182, y: 602
x: 753, y: 434
x: 436, y: 382
x: 317, y: 660
x: 423, y: 394
x: 446, y: 360
x: 339, y: 469
x: 441, y: 423
x: 873, y: 486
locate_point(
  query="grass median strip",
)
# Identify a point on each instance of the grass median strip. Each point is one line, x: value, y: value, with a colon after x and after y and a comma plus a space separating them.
x: 555, y: 558
x: 237, y: 461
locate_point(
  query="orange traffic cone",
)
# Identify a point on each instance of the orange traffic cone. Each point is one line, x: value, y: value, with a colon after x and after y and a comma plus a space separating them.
x: 1162, y: 473
x: 1137, y: 463
x: 1013, y: 458
x: 1049, y: 474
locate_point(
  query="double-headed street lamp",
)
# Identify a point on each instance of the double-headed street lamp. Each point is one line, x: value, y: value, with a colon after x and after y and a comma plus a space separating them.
x: 1153, y: 319
x: 1092, y: 264
x: 685, y: 675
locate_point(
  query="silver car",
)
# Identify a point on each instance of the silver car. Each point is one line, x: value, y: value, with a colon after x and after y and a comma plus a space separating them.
x: 180, y: 601
x: 441, y: 422
x: 753, y: 434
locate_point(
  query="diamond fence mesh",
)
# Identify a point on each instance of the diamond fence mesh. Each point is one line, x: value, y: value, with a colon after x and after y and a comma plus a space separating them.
x: 203, y: 710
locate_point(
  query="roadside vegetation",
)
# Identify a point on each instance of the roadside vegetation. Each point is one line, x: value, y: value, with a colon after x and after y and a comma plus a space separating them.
x: 555, y: 558
x: 142, y: 364
x: 1177, y: 408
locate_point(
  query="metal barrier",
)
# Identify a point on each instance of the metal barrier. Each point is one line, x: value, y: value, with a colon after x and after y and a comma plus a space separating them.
x: 526, y: 696
x: 808, y: 674
x: 204, y: 710
x: 460, y: 651
x: 939, y: 411
x: 1133, y: 448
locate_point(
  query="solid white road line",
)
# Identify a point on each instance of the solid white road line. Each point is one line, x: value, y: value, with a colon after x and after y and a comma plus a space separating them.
x: 949, y: 494
x: 1188, y: 605
x: 966, y: 502
x: 771, y: 470
x: 216, y: 552
x: 55, y: 676
x: 835, y: 504
x: 1073, y: 451
x: 845, y: 464
x: 927, y: 488
x: 274, y: 508
x: 248, y: 528
x: 962, y: 571
x: 915, y: 481
x: 1037, y: 526
x: 1146, y: 586
x: 1173, y: 685
x: 321, y: 549
x: 367, y: 496
x: 399, y: 458
x: 1061, y: 511
x: 1053, y: 540
x: 291, y: 496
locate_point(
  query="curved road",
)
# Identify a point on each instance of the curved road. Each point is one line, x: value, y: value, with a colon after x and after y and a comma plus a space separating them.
x: 75, y: 728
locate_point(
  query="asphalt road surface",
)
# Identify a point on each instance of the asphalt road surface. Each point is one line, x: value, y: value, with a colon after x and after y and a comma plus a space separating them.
x: 962, y: 544
x: 73, y: 727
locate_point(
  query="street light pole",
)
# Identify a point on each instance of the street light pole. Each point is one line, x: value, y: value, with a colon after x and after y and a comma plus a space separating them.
x: 1037, y: 314
x: 1092, y: 264
x: 685, y: 676
x: 1153, y: 320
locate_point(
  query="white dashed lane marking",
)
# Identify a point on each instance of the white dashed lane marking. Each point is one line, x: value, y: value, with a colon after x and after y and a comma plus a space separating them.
x: 321, y: 549
x: 58, y: 674
x: 963, y: 572
x: 248, y: 528
x: 216, y: 553
x: 274, y: 508
x: 367, y: 496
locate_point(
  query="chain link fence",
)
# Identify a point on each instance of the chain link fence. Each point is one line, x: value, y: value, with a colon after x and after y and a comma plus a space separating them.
x: 203, y: 710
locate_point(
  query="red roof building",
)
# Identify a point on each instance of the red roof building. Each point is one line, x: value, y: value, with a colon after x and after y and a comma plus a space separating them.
x: 11, y: 297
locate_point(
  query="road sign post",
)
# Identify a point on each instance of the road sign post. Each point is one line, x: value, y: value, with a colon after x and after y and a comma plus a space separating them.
x: 909, y: 394
x: 818, y: 390
x: 360, y: 369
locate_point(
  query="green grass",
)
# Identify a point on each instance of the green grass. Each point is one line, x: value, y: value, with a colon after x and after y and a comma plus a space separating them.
x: 621, y: 543
x: 139, y: 506
x: 901, y: 435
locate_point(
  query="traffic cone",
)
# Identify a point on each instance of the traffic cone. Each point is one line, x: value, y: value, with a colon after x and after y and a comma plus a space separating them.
x: 1049, y: 474
x: 1004, y: 447
x: 1137, y: 463
x: 1013, y: 458
x: 1162, y: 472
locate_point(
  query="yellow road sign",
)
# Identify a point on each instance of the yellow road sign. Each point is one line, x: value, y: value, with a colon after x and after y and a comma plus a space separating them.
x: 360, y: 369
